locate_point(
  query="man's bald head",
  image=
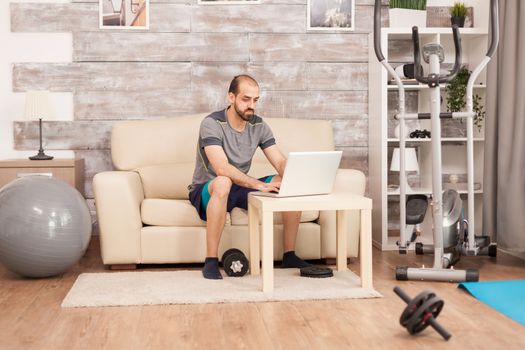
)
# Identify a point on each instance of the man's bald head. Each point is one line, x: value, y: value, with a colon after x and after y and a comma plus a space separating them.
x: 238, y: 80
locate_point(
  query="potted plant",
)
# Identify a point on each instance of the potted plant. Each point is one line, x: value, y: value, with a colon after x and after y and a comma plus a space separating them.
x: 456, y: 91
x: 458, y: 12
x: 408, y: 13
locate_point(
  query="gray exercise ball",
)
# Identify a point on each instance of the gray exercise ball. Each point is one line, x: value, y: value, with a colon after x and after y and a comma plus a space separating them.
x: 45, y: 226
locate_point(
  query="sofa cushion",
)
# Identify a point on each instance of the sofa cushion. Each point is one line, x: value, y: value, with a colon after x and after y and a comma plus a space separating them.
x: 171, y: 212
x: 240, y: 217
x: 167, y: 181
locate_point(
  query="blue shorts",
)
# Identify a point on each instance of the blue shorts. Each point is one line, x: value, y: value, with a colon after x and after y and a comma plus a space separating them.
x: 238, y: 197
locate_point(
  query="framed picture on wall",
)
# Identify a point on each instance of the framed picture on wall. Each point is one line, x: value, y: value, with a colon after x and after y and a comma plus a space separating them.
x: 331, y: 15
x: 123, y: 14
x: 228, y: 2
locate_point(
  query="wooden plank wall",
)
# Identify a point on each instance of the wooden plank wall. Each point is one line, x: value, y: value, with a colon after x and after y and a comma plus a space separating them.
x: 184, y: 63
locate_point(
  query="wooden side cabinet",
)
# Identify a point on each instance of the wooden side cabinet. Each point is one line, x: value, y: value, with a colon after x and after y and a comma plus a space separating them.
x: 68, y: 170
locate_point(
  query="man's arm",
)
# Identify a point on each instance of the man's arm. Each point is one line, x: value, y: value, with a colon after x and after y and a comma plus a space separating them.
x: 276, y: 158
x: 219, y: 162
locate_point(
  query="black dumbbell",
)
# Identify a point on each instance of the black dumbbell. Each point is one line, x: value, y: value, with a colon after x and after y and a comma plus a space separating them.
x: 420, y: 134
x: 235, y: 263
x: 422, y: 312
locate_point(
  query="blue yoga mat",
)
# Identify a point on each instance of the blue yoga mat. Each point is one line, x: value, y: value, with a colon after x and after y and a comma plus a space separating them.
x: 507, y: 297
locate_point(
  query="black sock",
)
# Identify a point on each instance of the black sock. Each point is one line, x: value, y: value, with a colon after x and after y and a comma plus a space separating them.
x: 292, y: 260
x: 211, y: 269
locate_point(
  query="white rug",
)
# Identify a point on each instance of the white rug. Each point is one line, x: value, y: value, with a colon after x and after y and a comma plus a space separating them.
x: 189, y: 287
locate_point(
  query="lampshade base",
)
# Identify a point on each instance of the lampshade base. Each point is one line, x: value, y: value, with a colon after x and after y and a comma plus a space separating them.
x: 41, y: 156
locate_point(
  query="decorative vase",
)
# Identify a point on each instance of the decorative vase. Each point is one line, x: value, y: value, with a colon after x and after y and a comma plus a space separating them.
x: 407, y: 18
x: 460, y: 21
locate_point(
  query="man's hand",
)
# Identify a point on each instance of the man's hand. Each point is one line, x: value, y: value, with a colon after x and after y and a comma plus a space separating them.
x: 269, y: 187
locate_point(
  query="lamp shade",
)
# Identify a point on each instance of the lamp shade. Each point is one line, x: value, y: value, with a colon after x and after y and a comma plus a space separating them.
x: 411, y: 163
x: 38, y: 105
x: 117, y: 5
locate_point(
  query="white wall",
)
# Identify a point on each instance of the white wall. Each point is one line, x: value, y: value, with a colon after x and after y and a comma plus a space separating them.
x: 29, y: 47
x: 57, y: 47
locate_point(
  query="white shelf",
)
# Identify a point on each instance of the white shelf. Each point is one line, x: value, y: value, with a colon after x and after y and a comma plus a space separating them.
x: 425, y: 87
x: 406, y: 32
x: 427, y: 191
x: 443, y: 139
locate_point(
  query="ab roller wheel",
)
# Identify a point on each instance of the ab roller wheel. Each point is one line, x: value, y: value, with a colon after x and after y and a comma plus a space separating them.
x: 235, y: 263
x: 422, y: 312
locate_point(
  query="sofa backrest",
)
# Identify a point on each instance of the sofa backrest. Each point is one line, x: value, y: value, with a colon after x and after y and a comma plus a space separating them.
x: 140, y: 143
x: 294, y: 135
x: 163, y: 151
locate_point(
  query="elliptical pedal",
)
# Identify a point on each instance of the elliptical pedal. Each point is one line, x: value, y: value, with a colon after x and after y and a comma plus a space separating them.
x: 416, y: 208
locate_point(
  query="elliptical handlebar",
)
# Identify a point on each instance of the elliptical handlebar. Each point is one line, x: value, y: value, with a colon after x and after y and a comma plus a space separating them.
x: 418, y: 74
x: 377, y: 31
x: 494, y: 28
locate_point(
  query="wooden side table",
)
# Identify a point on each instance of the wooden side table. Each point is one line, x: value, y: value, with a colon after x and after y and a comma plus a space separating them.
x: 68, y: 170
x: 340, y: 202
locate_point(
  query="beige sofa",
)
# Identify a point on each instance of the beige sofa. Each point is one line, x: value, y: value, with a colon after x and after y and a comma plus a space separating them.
x: 143, y: 210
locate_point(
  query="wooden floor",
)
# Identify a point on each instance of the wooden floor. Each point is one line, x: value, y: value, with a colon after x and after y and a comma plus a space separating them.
x: 31, y: 316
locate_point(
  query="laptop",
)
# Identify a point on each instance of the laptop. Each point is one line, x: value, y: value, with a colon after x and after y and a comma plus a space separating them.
x: 308, y: 173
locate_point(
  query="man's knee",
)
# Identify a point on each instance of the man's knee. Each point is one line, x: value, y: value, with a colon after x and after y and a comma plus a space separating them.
x: 221, y: 186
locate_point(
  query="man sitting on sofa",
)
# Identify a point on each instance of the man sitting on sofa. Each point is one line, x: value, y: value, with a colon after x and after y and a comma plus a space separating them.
x: 227, y: 142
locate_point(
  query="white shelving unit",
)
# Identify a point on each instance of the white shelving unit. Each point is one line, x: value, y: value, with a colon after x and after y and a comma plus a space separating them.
x: 385, y: 215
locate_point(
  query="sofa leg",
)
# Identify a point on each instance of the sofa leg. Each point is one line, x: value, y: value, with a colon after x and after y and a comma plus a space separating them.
x: 123, y: 267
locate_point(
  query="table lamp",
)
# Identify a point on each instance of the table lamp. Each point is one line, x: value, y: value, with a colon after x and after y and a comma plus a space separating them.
x: 38, y: 106
x: 411, y: 163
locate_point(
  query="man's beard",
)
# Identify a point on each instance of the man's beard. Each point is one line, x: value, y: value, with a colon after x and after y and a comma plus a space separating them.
x: 245, y: 115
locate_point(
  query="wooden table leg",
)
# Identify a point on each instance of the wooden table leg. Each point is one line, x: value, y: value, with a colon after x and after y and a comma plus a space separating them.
x: 253, y: 227
x: 341, y: 251
x: 267, y: 251
x: 365, y: 241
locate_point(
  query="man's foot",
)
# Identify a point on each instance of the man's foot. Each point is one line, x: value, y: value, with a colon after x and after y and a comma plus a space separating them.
x: 291, y: 260
x: 211, y: 269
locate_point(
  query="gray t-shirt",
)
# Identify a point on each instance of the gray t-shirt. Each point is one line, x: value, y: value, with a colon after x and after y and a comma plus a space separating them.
x: 238, y: 146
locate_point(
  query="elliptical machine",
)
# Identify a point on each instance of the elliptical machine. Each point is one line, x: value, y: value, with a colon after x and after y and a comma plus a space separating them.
x: 450, y: 237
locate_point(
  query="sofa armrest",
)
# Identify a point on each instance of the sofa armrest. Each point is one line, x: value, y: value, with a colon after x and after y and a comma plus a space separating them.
x: 118, y: 196
x: 350, y: 180
x: 347, y: 180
